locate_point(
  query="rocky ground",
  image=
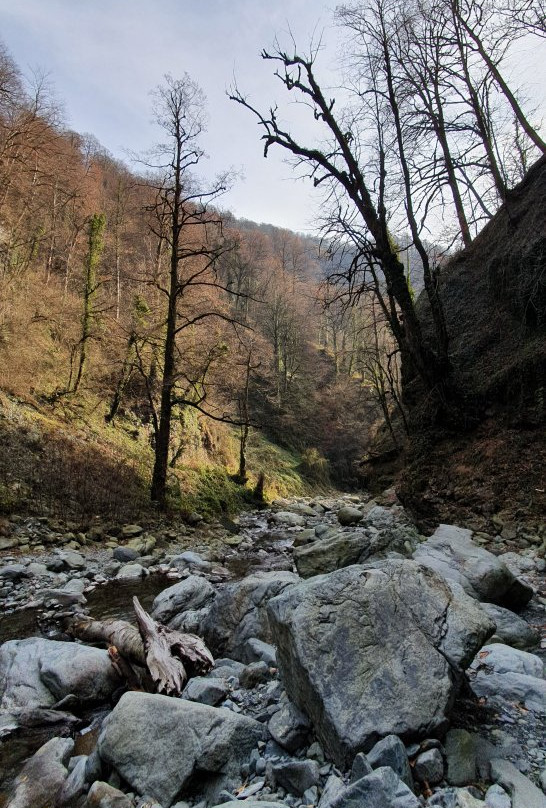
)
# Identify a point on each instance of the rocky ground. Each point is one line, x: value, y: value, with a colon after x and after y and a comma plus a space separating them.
x: 357, y: 662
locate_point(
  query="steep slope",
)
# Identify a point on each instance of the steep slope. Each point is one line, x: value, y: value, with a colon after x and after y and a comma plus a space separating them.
x: 494, y: 294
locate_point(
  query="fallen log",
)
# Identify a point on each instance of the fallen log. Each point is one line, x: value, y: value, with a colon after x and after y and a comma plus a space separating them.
x: 170, y: 657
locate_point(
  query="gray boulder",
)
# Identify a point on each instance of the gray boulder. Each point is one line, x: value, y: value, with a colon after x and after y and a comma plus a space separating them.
x: 391, y: 752
x: 193, y: 593
x: 347, y: 515
x: 496, y: 797
x: 460, y: 747
x: 295, y: 776
x: 380, y: 789
x: 125, y: 554
x: 239, y: 612
x: 71, y: 560
x: 289, y: 727
x: 258, y: 651
x: 367, y: 652
x: 38, y: 673
x: 451, y: 552
x: 156, y: 743
x: 429, y: 767
x: 331, y: 553
x: 206, y: 690
x: 454, y: 798
x: 42, y: 777
x: 511, y: 629
x: 131, y: 572
x: 500, y: 672
x: 523, y: 792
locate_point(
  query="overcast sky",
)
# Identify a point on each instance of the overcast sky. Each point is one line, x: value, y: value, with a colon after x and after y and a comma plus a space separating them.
x: 104, y: 56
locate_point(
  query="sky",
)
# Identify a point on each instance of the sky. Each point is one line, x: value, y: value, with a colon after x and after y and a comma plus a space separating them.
x: 105, y: 56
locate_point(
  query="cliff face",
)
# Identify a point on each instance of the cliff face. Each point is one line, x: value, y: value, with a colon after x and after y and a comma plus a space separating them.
x: 494, y: 294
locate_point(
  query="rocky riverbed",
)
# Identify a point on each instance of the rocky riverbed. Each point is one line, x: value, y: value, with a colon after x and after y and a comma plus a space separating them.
x: 357, y: 662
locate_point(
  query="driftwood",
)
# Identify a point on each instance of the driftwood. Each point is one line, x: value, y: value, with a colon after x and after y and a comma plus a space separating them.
x: 169, y: 657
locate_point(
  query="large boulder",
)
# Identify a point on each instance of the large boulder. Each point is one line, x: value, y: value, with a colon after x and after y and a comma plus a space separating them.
x: 191, y: 594
x: 380, y: 789
x: 367, y: 652
x: 451, y: 552
x: 38, y: 673
x: 239, y: 612
x: 156, y: 743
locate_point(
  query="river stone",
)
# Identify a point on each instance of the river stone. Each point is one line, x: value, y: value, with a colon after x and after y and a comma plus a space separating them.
x: 460, y: 748
x: 380, y: 789
x: 511, y: 629
x: 330, y: 553
x: 523, y: 792
x: 391, y: 752
x: 239, y: 612
x: 454, y: 798
x: 125, y: 554
x: 289, y: 727
x: 38, y: 673
x: 347, y: 515
x: 451, y: 552
x: 367, y: 652
x: 70, y: 559
x: 295, y: 776
x: 42, y: 777
x: 429, y: 767
x: 496, y: 797
x: 13, y: 572
x: 103, y: 795
x: 288, y: 518
x: 131, y: 572
x: 190, y: 594
x: 156, y: 742
x: 501, y: 672
x: 206, y: 690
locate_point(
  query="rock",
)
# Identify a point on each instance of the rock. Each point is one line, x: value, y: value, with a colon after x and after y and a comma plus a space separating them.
x: 143, y: 545
x: 13, y: 572
x: 333, y: 788
x: 252, y: 804
x: 429, y: 767
x: 289, y: 727
x: 295, y: 776
x: 191, y: 559
x: 330, y: 553
x: 170, y: 738
x: 124, y: 554
x: 380, y: 789
x: 501, y: 672
x: 391, y: 752
x: 75, y: 585
x: 454, y: 798
x: 39, y: 672
x: 288, y: 518
x: 7, y: 542
x: 37, y: 569
x: 70, y: 559
x: 361, y: 767
x: 102, y: 795
x: 75, y: 784
x: 130, y: 531
x: 368, y: 652
x: 503, y: 659
x: 258, y: 651
x: 349, y: 516
x: 254, y: 674
x: 131, y: 572
x: 451, y: 552
x: 511, y: 629
x: 42, y: 777
x: 194, y: 518
x: 496, y: 797
x: 206, y: 690
x: 523, y: 793
x: 193, y: 593
x: 239, y: 612
x: 460, y: 751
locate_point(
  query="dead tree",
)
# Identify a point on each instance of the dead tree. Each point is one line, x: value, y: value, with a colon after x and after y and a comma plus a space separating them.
x: 169, y: 657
